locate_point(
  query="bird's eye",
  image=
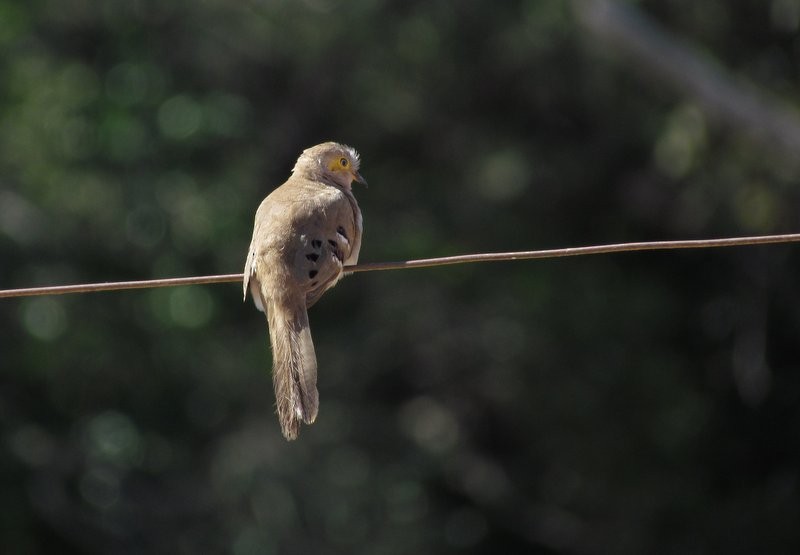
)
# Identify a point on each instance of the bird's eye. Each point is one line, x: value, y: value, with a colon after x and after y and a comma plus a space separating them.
x: 343, y: 162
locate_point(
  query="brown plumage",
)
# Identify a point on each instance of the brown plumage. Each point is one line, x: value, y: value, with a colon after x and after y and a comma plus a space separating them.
x: 305, y: 231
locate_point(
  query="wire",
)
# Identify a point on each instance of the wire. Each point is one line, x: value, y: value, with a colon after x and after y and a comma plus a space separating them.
x: 118, y: 285
x: 422, y: 263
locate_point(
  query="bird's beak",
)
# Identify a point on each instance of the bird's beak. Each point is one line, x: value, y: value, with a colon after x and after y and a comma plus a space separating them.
x: 360, y: 179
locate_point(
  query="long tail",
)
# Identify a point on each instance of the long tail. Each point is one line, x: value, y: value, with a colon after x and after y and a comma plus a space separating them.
x: 294, y: 371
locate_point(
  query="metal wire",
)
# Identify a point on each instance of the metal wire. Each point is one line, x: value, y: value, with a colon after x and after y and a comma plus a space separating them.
x: 422, y: 263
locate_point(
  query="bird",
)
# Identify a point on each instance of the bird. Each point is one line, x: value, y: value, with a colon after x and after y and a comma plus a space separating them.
x: 305, y: 232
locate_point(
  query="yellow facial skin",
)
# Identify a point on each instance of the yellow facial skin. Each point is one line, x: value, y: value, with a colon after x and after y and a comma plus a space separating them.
x: 344, y: 165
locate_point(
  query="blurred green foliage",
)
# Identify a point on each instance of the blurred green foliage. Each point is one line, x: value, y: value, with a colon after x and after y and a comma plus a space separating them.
x: 645, y: 403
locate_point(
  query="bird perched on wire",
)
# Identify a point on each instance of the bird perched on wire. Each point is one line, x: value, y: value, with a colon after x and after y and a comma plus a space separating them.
x: 305, y: 231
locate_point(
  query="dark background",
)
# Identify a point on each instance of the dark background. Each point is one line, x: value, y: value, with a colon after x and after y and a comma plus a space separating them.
x: 628, y: 403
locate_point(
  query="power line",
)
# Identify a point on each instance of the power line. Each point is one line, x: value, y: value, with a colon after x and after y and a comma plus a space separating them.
x: 421, y: 263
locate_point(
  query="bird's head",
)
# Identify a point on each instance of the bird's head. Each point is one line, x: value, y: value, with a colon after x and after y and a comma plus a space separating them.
x: 330, y: 162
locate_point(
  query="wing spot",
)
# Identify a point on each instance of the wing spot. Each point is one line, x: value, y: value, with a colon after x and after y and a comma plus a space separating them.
x: 312, y: 257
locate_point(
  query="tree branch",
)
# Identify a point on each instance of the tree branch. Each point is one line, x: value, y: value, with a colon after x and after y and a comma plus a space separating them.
x: 765, y: 118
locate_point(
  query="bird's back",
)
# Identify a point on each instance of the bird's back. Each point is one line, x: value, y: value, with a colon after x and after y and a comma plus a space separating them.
x: 308, y: 230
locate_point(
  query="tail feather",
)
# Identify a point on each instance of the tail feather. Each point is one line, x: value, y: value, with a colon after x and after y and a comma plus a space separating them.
x: 294, y: 372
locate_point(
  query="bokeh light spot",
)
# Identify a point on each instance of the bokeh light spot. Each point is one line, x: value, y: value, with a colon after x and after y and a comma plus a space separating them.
x: 757, y: 207
x: 190, y: 307
x: 226, y: 114
x: 99, y: 486
x: 430, y: 424
x: 124, y: 137
x: 503, y: 175
x: 32, y: 445
x: 680, y: 143
x: 114, y: 438
x: 44, y: 318
x: 128, y: 83
x: 179, y: 118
